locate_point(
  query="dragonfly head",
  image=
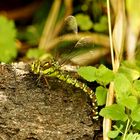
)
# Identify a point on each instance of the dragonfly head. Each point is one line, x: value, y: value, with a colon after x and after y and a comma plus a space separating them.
x: 41, y: 68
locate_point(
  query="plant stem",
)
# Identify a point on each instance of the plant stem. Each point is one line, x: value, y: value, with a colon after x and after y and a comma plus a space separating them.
x: 110, y: 33
x: 126, y: 129
x: 110, y: 96
x: 107, y: 122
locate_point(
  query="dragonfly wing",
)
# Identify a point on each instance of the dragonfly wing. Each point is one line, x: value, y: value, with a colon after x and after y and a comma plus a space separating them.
x: 70, y: 25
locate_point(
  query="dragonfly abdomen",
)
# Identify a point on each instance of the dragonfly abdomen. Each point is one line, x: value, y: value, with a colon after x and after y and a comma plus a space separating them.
x: 68, y: 79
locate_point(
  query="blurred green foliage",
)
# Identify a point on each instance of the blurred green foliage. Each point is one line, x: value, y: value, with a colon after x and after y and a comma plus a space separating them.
x: 96, y: 9
x: 31, y: 34
x: 8, y: 48
x: 35, y: 53
x: 84, y: 22
x: 102, y: 25
x: 93, y: 16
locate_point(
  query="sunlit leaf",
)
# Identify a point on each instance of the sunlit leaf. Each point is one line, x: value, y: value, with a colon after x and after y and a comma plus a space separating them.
x: 136, y: 88
x: 128, y: 101
x: 135, y: 115
x: 121, y: 84
x: 131, y: 74
x: 88, y: 73
x: 101, y: 94
x: 113, y: 134
x: 104, y: 75
x: 114, y: 112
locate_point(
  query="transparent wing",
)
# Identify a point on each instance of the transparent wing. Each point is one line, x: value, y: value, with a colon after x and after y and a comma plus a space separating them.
x: 84, y: 46
x: 85, y: 42
x: 88, y: 52
x: 68, y: 51
x: 66, y: 47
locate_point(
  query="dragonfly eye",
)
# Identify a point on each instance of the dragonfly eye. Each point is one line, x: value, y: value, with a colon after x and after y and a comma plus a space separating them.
x: 46, y: 65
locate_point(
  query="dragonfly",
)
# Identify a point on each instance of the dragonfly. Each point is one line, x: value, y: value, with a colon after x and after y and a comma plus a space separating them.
x: 53, y: 68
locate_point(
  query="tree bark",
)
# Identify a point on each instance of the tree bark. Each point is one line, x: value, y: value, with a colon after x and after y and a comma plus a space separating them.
x: 30, y: 110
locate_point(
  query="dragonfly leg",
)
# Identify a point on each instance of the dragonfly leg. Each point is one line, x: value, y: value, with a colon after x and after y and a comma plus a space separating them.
x: 38, y: 79
x: 47, y: 83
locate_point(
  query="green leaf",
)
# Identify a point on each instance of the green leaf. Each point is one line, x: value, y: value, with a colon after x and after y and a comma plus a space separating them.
x: 88, y: 73
x: 113, y: 134
x: 84, y: 22
x: 128, y: 101
x: 31, y: 34
x: 99, y: 27
x: 135, y: 64
x: 104, y: 75
x: 104, y: 20
x: 131, y: 74
x: 136, y: 88
x: 114, y: 112
x: 101, y: 94
x: 132, y: 136
x: 137, y: 125
x: 135, y: 115
x: 7, y: 40
x: 102, y: 25
x: 35, y: 53
x: 121, y: 84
